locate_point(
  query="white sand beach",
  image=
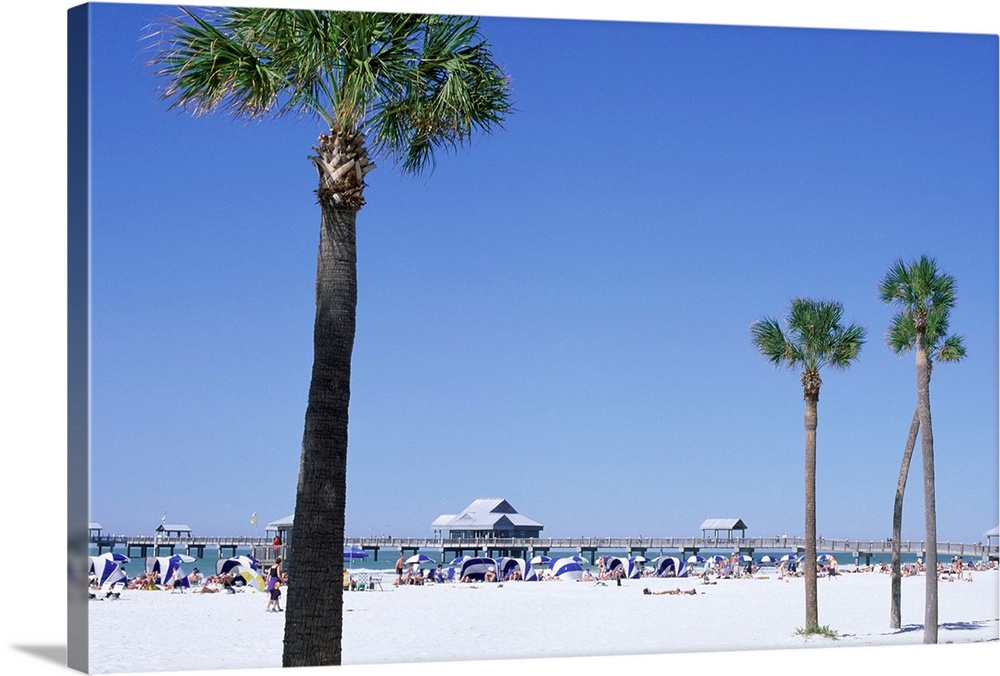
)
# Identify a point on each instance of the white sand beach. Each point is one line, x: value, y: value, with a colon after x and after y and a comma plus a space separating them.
x: 163, y: 631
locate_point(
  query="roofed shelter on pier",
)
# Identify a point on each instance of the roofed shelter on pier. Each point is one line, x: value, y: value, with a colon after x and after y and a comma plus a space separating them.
x: 487, y: 518
x: 728, y: 525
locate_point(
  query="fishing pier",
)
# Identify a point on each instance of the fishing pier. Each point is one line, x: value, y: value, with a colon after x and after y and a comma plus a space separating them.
x: 589, y: 547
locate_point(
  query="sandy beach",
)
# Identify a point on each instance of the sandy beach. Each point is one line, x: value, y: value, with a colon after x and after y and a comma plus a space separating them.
x: 142, y: 630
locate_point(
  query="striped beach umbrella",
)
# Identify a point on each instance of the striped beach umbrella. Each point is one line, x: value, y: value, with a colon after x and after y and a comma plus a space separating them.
x: 696, y: 559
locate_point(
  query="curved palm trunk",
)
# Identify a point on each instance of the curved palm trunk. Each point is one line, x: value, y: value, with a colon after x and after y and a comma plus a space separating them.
x: 809, y: 572
x: 930, y: 512
x: 896, y: 587
x: 314, y: 613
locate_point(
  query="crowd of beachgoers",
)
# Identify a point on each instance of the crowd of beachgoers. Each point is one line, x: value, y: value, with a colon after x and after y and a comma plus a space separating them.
x: 707, y: 571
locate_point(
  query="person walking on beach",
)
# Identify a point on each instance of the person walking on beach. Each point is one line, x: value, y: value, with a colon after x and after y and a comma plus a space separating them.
x: 275, y: 576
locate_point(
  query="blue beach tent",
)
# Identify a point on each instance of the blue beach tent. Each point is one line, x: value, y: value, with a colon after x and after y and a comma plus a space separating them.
x: 626, y: 566
x: 168, y: 569
x: 108, y: 569
x: 566, y: 569
x: 476, y: 568
x: 670, y: 566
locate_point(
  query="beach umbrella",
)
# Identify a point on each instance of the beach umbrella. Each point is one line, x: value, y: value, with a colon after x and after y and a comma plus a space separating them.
x: 457, y: 561
x: 354, y: 552
x: 767, y: 558
x: 541, y: 560
x: 418, y: 559
x: 825, y: 558
x: 245, y: 567
x: 579, y: 559
x: 718, y: 558
x: 789, y: 557
x: 696, y: 559
x: 639, y: 559
x: 743, y: 558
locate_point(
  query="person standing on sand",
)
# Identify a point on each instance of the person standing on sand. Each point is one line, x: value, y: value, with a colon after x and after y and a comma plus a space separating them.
x: 275, y: 576
x: 400, y: 562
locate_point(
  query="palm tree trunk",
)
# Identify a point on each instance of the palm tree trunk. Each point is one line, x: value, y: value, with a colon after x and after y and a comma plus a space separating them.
x: 930, y: 512
x: 896, y: 587
x: 314, y: 616
x: 809, y: 565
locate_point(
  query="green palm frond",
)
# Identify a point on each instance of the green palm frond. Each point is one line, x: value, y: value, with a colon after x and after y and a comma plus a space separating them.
x: 770, y: 341
x: 813, y: 337
x: 917, y: 287
x: 951, y: 350
x: 413, y: 83
x: 925, y: 297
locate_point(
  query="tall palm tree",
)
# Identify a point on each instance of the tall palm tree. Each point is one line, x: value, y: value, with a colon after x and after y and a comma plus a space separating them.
x: 924, y: 296
x: 395, y: 85
x: 813, y: 338
x: 901, y: 338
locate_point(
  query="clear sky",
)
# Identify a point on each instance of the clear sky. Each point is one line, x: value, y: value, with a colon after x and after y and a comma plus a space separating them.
x: 559, y: 314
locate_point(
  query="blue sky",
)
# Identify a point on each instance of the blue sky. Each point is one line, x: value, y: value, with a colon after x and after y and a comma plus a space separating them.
x: 558, y: 315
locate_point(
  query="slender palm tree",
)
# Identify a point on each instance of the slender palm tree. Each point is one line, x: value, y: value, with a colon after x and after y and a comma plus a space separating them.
x: 924, y: 297
x: 901, y: 338
x: 813, y: 338
x: 400, y: 86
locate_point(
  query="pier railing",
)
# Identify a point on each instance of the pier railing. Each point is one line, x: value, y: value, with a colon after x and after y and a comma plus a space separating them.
x: 669, y: 544
x: 261, y: 547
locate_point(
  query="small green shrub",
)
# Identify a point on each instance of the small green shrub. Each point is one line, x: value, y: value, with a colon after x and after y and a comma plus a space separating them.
x: 818, y: 631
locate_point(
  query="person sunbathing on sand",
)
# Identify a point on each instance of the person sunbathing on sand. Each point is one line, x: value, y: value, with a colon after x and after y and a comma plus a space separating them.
x: 671, y: 592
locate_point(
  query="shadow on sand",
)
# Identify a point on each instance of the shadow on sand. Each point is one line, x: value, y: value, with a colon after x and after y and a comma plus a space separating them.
x: 947, y: 626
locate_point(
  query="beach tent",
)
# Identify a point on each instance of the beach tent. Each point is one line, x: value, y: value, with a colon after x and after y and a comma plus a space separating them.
x: 108, y: 569
x: 627, y: 567
x: 245, y: 567
x: 670, y: 566
x: 507, y: 565
x: 168, y: 569
x: 566, y: 569
x: 476, y: 568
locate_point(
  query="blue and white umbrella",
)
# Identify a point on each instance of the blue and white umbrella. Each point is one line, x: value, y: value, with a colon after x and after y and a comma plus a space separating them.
x: 579, y: 559
x: 718, y: 558
x: 694, y: 558
x: 789, y: 557
x: 245, y: 567
x: 767, y: 558
x: 418, y: 559
x: 825, y: 558
x: 355, y: 552
x: 743, y: 558
x: 457, y: 561
x: 541, y: 560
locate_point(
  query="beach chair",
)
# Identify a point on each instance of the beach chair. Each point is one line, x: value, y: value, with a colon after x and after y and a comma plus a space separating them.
x: 375, y: 580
